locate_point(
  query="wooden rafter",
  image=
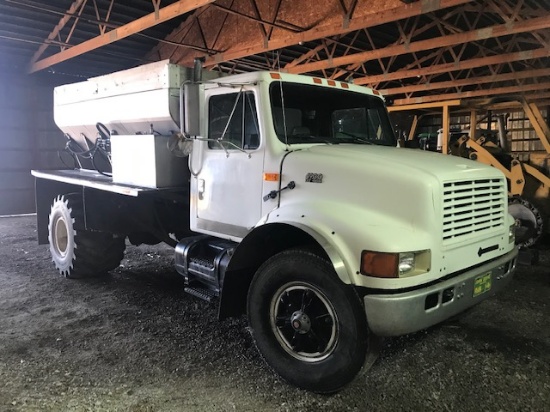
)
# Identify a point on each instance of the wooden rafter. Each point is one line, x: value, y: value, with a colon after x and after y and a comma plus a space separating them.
x: 421, y: 106
x: 256, y: 18
x: 538, y: 23
x: 510, y: 90
x: 102, y: 22
x: 470, y: 80
x: 136, y: 26
x: 454, y: 66
x: 319, y: 32
x: 77, y: 4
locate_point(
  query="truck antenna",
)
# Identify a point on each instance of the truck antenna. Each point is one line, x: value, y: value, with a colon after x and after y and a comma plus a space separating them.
x: 282, y: 95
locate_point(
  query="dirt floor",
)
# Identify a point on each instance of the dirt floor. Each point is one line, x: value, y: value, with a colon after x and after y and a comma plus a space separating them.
x: 134, y: 341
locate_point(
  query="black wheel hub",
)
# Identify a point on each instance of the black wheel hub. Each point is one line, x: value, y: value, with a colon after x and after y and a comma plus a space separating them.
x: 300, y: 322
x: 304, y: 322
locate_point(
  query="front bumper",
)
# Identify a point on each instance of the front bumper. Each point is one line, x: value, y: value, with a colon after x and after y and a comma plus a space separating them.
x: 402, y: 313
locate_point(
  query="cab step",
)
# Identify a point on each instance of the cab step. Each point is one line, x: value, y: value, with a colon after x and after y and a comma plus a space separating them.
x: 201, y: 293
x: 203, y: 260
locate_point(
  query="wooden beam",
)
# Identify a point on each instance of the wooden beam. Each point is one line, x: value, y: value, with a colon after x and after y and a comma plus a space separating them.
x: 537, y: 23
x: 454, y: 66
x: 310, y: 53
x: 537, y: 122
x: 414, y: 125
x: 475, y: 93
x: 466, y: 82
x: 57, y: 29
x: 420, y: 106
x: 358, y: 22
x: 446, y: 125
x: 252, y: 18
x: 473, y: 123
x: 545, y: 180
x: 481, y: 154
x: 505, y: 107
x: 136, y: 26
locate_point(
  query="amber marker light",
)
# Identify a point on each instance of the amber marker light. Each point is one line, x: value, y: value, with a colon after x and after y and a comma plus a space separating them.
x: 379, y: 264
x: 271, y: 177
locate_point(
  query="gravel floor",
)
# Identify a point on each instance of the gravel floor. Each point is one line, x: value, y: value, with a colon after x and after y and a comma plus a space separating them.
x: 133, y: 341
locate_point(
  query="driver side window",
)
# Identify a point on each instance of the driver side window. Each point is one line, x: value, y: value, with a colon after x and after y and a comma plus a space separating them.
x: 233, y: 122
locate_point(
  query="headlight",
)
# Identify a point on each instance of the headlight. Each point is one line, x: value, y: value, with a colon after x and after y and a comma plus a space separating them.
x: 395, y: 265
x: 406, y: 263
x: 512, y: 234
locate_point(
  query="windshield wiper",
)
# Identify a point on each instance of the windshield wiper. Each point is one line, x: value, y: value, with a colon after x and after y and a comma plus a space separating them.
x: 355, y: 138
x: 308, y: 138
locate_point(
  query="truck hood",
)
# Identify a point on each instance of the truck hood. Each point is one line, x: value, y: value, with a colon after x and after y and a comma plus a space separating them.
x: 376, y: 186
x: 405, y: 160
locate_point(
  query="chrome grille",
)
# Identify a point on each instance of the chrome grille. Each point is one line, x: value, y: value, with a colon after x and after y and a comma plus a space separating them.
x: 471, y: 207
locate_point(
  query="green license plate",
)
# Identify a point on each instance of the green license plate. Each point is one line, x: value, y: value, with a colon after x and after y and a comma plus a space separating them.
x: 482, y: 284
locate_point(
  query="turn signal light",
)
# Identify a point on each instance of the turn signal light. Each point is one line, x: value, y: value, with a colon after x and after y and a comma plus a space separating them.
x: 379, y: 264
x: 395, y: 265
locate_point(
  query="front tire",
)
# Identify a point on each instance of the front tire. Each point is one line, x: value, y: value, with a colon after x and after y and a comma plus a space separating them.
x: 308, y: 325
x: 77, y: 252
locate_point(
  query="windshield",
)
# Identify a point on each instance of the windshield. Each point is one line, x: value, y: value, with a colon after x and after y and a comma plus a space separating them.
x: 312, y: 114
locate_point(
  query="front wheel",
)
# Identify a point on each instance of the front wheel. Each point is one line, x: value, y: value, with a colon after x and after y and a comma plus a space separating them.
x: 308, y: 325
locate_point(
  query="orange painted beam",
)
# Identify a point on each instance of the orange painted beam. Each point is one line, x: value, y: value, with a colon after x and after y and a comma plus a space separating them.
x: 454, y: 66
x: 136, y: 26
x: 511, y: 90
x: 525, y: 74
x: 534, y: 24
x: 57, y: 29
x: 318, y: 32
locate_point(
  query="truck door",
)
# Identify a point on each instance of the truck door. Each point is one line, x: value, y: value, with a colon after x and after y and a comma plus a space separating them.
x: 229, y: 184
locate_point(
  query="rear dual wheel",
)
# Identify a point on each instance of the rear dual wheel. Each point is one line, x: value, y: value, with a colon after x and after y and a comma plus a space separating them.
x: 308, y: 325
x: 77, y: 252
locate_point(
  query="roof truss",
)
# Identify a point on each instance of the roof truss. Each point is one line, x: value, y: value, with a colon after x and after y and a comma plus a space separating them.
x: 411, y: 51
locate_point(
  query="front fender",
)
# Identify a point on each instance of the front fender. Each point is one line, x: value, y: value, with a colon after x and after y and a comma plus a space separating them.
x: 345, y: 230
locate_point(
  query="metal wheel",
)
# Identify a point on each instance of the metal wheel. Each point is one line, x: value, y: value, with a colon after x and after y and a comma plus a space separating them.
x: 308, y: 325
x: 304, y: 322
x: 75, y: 251
x: 60, y: 237
x: 529, y: 222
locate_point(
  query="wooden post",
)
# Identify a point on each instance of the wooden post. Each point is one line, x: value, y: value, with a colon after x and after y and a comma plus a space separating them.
x: 446, y: 124
x: 473, y: 124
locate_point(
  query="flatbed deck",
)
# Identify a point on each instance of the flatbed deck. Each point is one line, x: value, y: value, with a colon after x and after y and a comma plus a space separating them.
x: 93, y: 179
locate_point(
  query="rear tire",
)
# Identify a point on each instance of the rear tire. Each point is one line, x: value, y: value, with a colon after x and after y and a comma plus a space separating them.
x: 77, y: 252
x: 308, y: 325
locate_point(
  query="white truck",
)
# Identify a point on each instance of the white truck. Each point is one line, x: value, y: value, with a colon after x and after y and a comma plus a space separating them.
x: 286, y: 198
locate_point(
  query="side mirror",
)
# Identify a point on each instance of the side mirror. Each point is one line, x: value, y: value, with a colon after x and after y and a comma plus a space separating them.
x: 190, y: 110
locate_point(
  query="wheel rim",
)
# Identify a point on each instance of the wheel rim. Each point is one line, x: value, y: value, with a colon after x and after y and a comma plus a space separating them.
x: 528, y: 222
x: 304, y: 322
x: 60, y: 237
